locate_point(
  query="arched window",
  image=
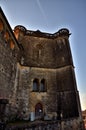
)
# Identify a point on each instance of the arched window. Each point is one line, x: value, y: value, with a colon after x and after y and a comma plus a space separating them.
x: 36, y: 85
x: 6, y: 36
x: 1, y: 25
x: 12, y: 44
x: 42, y: 86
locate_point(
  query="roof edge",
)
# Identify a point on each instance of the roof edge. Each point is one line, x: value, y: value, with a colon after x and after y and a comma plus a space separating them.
x: 38, y: 33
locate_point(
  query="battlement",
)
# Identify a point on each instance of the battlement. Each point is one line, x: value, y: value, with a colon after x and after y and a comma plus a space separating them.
x: 22, y: 30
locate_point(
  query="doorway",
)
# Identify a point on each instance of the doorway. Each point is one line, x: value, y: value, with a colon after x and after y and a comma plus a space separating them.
x: 38, y: 111
x: 3, y: 103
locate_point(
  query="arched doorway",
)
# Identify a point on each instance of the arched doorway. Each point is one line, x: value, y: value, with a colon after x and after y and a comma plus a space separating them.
x: 38, y: 111
x: 3, y: 103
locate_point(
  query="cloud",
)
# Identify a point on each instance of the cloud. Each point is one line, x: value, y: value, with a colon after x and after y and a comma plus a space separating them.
x: 41, y: 10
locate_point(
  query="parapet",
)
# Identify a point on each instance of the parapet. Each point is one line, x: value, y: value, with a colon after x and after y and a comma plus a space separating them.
x: 21, y: 30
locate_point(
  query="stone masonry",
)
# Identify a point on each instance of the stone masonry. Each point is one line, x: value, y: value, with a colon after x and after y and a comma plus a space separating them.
x: 37, y: 78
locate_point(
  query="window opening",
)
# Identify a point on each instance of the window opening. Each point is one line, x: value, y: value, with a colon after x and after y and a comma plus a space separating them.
x: 35, y: 85
x: 42, y: 85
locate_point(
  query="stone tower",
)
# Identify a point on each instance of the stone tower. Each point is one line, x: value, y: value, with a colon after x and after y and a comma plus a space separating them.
x: 47, y: 64
x: 37, y: 79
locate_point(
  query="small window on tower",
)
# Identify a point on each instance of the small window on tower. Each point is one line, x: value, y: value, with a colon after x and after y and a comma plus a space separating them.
x: 6, y: 36
x: 42, y: 86
x: 1, y: 25
x: 12, y: 44
x: 36, y: 85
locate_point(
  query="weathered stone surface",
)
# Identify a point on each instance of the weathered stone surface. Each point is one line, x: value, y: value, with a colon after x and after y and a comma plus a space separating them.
x: 45, y: 52
x: 37, y: 79
x: 72, y: 124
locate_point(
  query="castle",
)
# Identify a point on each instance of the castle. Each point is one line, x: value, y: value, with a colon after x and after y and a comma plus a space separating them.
x: 37, y: 79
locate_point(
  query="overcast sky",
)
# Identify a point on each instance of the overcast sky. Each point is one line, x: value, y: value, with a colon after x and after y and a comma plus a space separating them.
x: 50, y: 16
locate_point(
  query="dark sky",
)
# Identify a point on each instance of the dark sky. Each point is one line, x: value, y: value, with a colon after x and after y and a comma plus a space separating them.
x: 50, y: 16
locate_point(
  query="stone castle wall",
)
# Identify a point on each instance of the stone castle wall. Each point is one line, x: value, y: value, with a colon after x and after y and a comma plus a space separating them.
x: 45, y: 52
x: 9, y: 55
x: 71, y: 124
x: 37, y: 79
